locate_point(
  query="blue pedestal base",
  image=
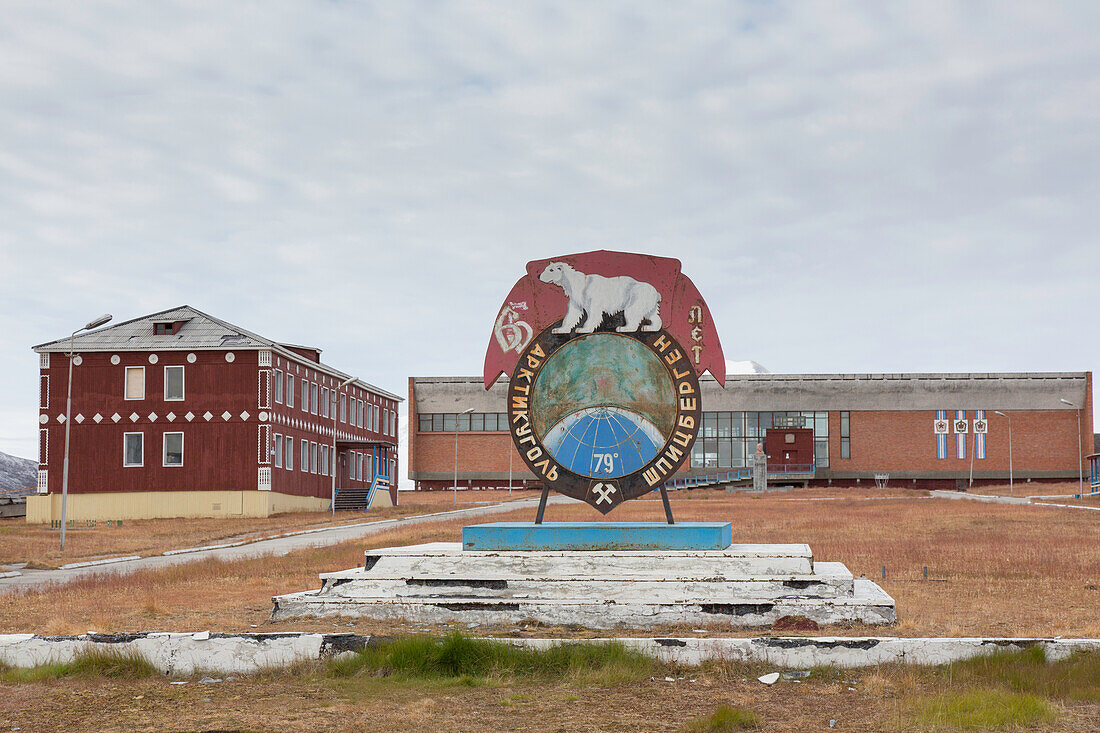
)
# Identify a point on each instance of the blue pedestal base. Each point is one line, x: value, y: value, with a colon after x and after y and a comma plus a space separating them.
x: 581, y: 536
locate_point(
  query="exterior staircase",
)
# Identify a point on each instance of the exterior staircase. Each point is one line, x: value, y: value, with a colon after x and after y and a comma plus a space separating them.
x: 360, y: 499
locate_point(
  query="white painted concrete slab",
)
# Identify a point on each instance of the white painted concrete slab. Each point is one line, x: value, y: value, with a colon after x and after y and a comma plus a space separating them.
x: 184, y: 654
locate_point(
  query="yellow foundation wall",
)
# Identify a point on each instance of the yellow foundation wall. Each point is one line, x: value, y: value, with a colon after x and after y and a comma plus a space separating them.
x: 42, y: 509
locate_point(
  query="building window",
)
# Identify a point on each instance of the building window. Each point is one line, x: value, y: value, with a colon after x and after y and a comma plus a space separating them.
x: 304, y: 463
x: 326, y: 400
x: 362, y: 413
x: 278, y: 451
x: 173, y: 383
x: 324, y: 460
x: 279, y: 386
x: 845, y: 435
x: 289, y: 390
x: 313, y: 398
x: 135, y: 383
x: 173, y: 449
x: 343, y: 408
x: 289, y: 453
x: 133, y: 449
x: 313, y: 458
x: 305, y: 396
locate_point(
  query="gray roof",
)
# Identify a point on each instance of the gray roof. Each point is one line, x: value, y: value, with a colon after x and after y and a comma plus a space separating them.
x: 766, y: 392
x: 200, y: 332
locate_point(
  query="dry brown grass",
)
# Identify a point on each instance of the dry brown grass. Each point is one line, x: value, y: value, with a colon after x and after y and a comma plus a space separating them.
x: 1004, y: 570
x: 861, y: 700
x: 39, y: 545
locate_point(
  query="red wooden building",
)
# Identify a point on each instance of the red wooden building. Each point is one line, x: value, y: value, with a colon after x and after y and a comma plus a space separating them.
x: 180, y: 414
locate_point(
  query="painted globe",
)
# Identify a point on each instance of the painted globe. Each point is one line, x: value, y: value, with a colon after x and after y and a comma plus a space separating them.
x: 603, y: 442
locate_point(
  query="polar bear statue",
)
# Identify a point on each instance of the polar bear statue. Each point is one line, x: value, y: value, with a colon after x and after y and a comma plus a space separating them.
x: 595, y: 297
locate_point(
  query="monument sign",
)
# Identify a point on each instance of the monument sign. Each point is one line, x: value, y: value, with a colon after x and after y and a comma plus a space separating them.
x: 604, y: 352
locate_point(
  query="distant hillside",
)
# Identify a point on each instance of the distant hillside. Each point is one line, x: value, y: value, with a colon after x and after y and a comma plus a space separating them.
x: 17, y: 473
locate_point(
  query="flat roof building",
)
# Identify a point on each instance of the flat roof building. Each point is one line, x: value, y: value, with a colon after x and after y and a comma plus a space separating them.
x: 181, y: 414
x: 922, y: 430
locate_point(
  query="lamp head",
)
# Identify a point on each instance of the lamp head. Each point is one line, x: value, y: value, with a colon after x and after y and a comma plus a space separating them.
x: 998, y: 412
x: 347, y: 381
x: 1067, y: 402
x: 96, y: 323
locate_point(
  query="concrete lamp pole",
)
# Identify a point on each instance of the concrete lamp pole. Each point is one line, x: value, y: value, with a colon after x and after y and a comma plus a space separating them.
x: 1080, y: 457
x: 335, y: 397
x: 464, y: 412
x: 68, y: 420
x: 1006, y: 417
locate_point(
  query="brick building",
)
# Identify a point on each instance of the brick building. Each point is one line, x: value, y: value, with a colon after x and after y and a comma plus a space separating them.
x: 924, y: 430
x: 180, y: 414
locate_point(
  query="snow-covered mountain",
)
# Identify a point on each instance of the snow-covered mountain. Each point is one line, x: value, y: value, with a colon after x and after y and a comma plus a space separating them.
x: 17, y: 473
x: 745, y: 367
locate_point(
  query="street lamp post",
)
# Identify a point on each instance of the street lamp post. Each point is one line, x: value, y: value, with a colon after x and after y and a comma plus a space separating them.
x: 1010, y: 489
x: 68, y: 419
x: 336, y: 396
x: 1080, y: 457
x: 464, y: 412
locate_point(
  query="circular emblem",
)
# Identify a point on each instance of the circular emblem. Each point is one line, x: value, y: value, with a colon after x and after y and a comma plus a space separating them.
x: 43, y: 419
x: 114, y: 359
x: 191, y: 358
x: 603, y: 416
x: 229, y: 356
x: 153, y: 358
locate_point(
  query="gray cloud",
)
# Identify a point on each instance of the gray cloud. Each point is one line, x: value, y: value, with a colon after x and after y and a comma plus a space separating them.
x: 853, y: 186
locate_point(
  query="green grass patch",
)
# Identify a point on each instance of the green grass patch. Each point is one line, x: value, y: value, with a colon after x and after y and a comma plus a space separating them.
x: 457, y: 658
x: 92, y: 663
x: 983, y: 709
x: 1075, y: 678
x: 726, y: 718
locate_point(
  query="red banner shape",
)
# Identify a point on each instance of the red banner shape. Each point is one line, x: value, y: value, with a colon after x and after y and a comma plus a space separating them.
x: 535, y: 304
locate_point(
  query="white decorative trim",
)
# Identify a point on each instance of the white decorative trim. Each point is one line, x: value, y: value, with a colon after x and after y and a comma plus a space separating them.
x: 153, y: 358
x: 189, y: 416
x: 43, y: 447
x: 265, y: 358
x: 153, y: 417
x: 43, y: 481
x: 226, y: 415
x: 263, y: 445
x: 191, y: 358
x: 263, y: 478
x: 43, y: 419
x: 44, y: 360
x: 44, y: 392
x: 134, y: 417
x: 245, y: 416
x: 79, y: 418
x: 207, y: 416
x: 116, y: 417
x: 262, y: 417
x: 115, y: 359
x: 229, y: 356
x: 78, y: 360
x: 170, y: 417
x: 263, y: 389
x: 98, y: 418
x: 61, y: 418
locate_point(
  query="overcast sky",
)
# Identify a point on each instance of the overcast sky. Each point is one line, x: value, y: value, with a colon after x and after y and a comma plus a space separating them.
x: 854, y: 187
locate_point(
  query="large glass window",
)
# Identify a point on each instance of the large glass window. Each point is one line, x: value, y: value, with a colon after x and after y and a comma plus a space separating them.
x: 133, y: 449
x: 313, y: 398
x: 324, y: 460
x: 173, y: 449
x: 289, y: 453
x: 343, y: 408
x: 845, y: 435
x: 173, y: 383
x: 135, y: 383
x: 289, y: 390
x: 305, y: 395
x: 279, y: 386
x: 303, y: 465
x: 278, y: 451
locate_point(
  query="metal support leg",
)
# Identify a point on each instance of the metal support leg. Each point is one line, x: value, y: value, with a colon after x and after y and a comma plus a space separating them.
x: 668, y: 507
x: 542, y: 504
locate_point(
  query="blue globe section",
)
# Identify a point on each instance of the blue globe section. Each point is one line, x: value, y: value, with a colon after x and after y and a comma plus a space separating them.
x: 603, y: 442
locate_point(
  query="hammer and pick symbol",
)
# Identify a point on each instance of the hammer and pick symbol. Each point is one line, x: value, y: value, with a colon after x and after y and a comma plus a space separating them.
x: 604, y: 491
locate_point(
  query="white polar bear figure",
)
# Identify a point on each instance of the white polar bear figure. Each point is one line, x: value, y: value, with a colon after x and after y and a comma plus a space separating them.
x: 595, y: 297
